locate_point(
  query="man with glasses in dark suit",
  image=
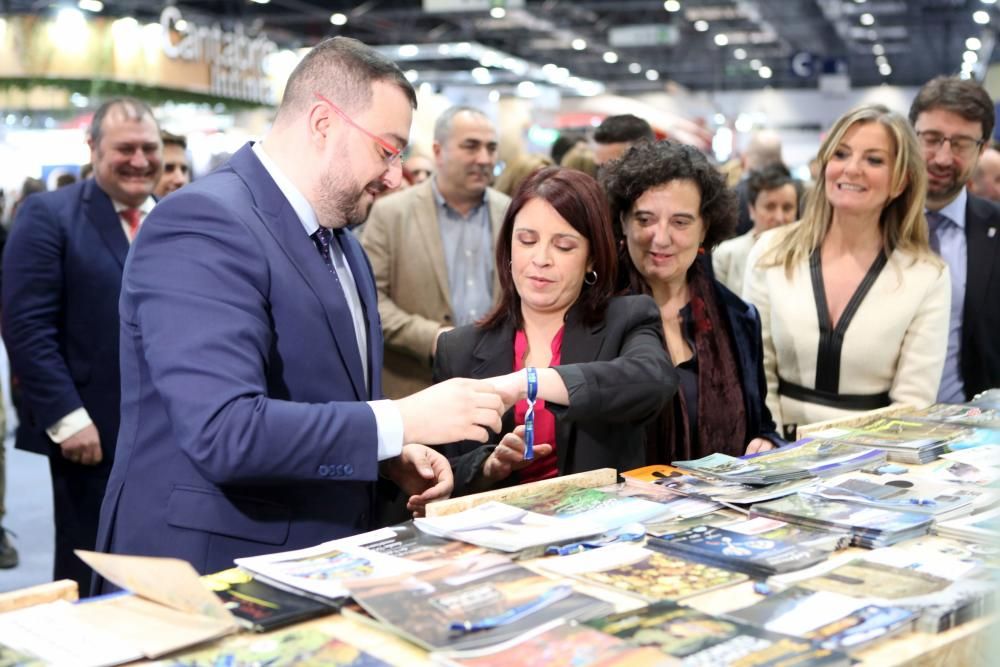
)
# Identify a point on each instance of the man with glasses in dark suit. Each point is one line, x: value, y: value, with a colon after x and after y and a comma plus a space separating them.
x: 954, y: 121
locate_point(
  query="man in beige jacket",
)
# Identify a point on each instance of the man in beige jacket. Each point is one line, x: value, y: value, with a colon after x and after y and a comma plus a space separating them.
x: 431, y: 248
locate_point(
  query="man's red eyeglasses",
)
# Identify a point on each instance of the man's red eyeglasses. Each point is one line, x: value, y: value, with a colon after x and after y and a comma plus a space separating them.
x: 391, y: 154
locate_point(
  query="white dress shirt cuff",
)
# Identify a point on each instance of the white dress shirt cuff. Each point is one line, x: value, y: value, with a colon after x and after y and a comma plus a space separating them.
x: 390, y: 429
x: 79, y: 419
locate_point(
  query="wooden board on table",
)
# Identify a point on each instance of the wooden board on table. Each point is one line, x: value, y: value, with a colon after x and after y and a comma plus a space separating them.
x: 852, y: 421
x: 586, y: 480
x: 64, y: 589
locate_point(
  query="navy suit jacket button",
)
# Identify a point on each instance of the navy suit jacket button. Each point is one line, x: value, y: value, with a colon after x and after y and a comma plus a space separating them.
x: 348, y: 469
x: 324, y: 471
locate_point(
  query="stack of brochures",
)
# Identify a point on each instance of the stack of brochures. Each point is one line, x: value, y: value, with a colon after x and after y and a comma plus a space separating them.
x: 716, y: 490
x: 871, y: 526
x: 806, y: 458
x: 963, y: 413
x: 931, y: 579
x: 903, y: 440
x: 755, y: 555
x: 983, y: 528
x: 909, y: 493
x: 988, y: 399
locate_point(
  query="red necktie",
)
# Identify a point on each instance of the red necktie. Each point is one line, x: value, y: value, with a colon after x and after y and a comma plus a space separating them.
x: 131, y: 218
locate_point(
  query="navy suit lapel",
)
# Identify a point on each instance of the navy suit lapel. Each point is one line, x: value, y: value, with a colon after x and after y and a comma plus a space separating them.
x: 282, y: 222
x: 100, y: 212
x: 983, y: 250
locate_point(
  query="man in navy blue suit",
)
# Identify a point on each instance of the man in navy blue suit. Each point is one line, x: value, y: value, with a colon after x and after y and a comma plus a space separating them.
x: 251, y: 347
x: 62, y: 273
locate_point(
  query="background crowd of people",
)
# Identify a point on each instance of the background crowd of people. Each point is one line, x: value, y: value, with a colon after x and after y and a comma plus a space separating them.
x: 327, y: 330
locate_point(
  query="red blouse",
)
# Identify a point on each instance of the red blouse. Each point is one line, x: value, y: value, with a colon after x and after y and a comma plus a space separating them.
x: 545, y: 421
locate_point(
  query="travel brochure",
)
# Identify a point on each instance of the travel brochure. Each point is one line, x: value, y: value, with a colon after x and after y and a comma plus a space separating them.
x: 542, y: 519
x: 917, y: 578
x: 288, y: 648
x: 943, y: 500
x: 467, y: 605
x: 559, y: 645
x: 755, y: 555
x: 322, y: 570
x: 700, y: 639
x: 808, y: 457
x: 965, y: 415
x: 833, y: 620
x: 871, y: 526
x: 642, y: 572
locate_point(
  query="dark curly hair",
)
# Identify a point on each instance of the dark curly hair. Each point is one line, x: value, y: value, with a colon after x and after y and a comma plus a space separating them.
x: 648, y: 165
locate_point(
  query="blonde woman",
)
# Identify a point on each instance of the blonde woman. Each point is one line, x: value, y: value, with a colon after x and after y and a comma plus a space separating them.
x: 853, y: 303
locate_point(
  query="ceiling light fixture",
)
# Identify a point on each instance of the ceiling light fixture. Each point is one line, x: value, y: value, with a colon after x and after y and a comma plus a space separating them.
x: 867, y: 19
x: 338, y: 18
x: 970, y: 57
x: 498, y: 12
x: 701, y: 26
x: 878, y: 50
x: 610, y: 57
x: 90, y: 5
x: 765, y: 72
x: 756, y: 64
x: 740, y: 54
x: 672, y: 6
x: 885, y: 70
x: 652, y: 74
x: 412, y: 75
x: 973, y: 44
x: 721, y: 40
x: 981, y: 17
x: 635, y: 68
x: 408, y: 51
x: 578, y: 44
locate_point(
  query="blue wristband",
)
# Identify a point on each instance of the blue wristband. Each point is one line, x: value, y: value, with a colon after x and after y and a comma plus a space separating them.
x: 529, y: 415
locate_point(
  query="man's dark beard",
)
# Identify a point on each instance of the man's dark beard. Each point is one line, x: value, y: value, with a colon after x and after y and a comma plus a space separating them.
x: 345, y: 206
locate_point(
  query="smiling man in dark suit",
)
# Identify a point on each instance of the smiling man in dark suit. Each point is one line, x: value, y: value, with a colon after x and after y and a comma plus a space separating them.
x: 954, y: 121
x: 251, y: 346
x: 62, y: 273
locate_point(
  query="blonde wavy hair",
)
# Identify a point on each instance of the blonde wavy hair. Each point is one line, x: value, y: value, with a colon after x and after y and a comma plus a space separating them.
x: 903, y: 223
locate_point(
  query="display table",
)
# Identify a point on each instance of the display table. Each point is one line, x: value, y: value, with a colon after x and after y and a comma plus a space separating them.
x: 965, y: 646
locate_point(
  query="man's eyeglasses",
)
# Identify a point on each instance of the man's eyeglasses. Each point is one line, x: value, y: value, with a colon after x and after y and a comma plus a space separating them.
x: 960, y: 145
x: 391, y: 154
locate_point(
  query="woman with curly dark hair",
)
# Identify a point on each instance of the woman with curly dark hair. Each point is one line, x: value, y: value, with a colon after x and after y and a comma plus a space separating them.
x: 673, y: 207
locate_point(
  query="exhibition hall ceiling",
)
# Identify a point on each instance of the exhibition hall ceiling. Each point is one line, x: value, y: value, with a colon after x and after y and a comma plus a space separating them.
x: 625, y: 45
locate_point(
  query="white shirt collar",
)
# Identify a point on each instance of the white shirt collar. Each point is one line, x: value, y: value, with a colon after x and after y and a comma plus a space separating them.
x: 298, y: 201
x: 144, y: 208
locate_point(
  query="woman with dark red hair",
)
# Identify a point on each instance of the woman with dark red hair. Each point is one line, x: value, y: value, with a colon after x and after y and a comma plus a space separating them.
x: 585, y: 369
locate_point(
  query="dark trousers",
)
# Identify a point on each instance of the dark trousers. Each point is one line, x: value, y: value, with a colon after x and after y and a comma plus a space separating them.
x: 77, y: 493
